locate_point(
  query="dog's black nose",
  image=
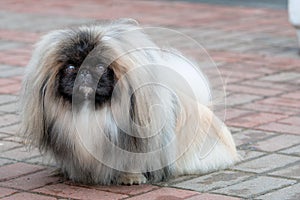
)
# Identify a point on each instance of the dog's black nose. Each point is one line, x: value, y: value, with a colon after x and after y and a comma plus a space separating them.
x: 86, y: 77
x: 84, y: 73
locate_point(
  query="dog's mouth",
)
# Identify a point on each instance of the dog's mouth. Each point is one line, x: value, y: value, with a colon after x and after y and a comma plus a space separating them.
x: 86, y: 91
x: 83, y: 92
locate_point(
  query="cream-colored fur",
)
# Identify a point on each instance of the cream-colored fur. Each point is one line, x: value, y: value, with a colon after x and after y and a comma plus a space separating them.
x: 172, y: 109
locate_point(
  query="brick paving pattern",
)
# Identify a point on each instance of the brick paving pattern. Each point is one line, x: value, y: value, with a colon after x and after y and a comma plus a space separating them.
x: 256, y: 52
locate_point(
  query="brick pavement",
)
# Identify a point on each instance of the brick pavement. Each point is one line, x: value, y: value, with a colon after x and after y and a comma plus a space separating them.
x: 256, y: 52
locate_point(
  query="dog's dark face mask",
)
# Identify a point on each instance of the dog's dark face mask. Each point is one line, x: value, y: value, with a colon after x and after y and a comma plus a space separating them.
x: 84, y: 74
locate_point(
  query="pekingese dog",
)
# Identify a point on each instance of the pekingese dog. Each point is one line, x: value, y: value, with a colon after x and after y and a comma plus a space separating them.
x: 112, y: 107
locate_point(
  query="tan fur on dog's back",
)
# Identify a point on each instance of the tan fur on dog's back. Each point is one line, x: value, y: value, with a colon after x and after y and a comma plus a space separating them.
x: 196, y: 126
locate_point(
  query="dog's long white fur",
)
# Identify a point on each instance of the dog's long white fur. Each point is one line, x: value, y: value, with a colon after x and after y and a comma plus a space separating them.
x: 202, y: 142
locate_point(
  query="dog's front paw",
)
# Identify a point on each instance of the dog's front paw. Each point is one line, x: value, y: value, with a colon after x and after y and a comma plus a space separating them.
x: 131, y: 179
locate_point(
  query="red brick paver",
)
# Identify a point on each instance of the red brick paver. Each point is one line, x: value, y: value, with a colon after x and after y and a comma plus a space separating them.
x: 166, y: 193
x: 31, y: 181
x: 18, y: 169
x: 6, y: 191
x: 127, y: 190
x: 75, y: 192
x: 22, y: 196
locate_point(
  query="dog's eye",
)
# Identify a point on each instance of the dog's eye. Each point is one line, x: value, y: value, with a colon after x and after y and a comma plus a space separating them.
x: 70, y: 68
x: 100, y: 68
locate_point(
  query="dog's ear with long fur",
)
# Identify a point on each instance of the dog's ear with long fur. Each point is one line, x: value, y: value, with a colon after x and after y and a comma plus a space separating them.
x: 33, y: 127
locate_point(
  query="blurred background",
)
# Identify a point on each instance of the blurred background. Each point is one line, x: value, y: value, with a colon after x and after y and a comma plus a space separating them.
x: 275, y: 4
